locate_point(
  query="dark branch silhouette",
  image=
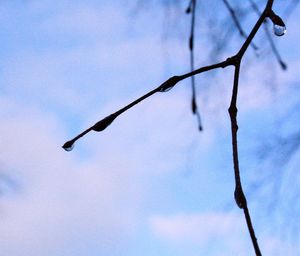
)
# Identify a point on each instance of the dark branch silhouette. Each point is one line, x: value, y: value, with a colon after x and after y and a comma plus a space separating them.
x: 192, y: 9
x: 235, y: 61
x: 237, y: 22
x: 269, y: 37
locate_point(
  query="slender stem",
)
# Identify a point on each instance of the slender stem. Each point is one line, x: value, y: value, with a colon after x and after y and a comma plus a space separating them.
x: 272, y: 44
x: 274, y: 49
x: 254, y: 7
x: 222, y: 64
x: 239, y: 195
x: 237, y: 22
x: 168, y: 84
x: 171, y: 82
x: 253, y: 32
x: 195, y: 110
x: 251, y: 231
x: 130, y: 105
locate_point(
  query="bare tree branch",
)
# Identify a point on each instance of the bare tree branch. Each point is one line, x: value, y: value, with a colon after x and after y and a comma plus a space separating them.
x: 192, y: 9
x: 270, y: 39
x: 237, y: 22
x: 235, y: 61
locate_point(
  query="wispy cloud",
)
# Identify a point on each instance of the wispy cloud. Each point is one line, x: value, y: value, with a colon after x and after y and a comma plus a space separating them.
x: 197, y: 228
x: 206, y: 230
x: 60, y: 196
x: 82, y: 61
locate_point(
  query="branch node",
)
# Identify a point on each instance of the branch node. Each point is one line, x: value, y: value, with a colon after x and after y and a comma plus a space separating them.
x: 275, y: 18
x: 233, y: 60
x: 232, y: 110
x: 169, y: 84
x: 104, y: 123
x: 239, y: 197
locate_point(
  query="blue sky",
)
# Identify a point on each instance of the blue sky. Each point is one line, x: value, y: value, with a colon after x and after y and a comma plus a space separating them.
x: 150, y: 184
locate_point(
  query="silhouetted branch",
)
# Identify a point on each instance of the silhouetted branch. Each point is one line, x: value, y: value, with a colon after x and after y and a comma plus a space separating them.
x: 270, y: 39
x: 274, y: 49
x: 235, y: 61
x: 164, y: 87
x: 237, y: 23
x: 192, y: 9
x: 239, y: 195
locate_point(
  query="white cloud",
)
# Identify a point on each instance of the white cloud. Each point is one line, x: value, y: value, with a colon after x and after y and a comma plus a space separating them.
x: 60, y: 196
x: 100, y: 196
x: 96, y: 194
x: 86, y: 20
x: 197, y: 228
x: 212, y: 231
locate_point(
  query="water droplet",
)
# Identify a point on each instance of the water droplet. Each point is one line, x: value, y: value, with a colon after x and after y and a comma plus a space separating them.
x: 68, y: 146
x: 166, y: 89
x: 279, y: 30
x: 169, y: 84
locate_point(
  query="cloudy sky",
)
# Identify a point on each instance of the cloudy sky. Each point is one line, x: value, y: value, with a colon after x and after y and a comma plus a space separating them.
x: 151, y: 184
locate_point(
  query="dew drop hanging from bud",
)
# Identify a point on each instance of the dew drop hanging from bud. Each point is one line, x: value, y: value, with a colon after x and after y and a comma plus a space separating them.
x: 169, y: 84
x: 279, y: 30
x: 68, y: 146
x: 166, y: 89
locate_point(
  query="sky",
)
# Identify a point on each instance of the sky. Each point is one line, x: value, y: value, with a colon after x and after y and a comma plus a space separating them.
x: 150, y: 184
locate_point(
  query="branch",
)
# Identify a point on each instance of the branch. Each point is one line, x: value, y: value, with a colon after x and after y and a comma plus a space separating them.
x: 164, y: 87
x: 237, y: 23
x: 274, y: 49
x: 270, y: 39
x: 192, y: 9
x: 239, y: 195
x: 171, y: 82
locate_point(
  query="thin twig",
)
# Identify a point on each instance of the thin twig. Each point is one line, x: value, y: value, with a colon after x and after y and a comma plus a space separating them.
x: 165, y: 86
x: 274, y: 48
x: 269, y: 37
x: 171, y: 82
x: 237, y: 22
x: 239, y: 195
x: 255, y: 7
x: 192, y: 9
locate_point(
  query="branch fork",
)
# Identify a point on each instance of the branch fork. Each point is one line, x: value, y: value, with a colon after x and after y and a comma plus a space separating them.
x: 235, y: 61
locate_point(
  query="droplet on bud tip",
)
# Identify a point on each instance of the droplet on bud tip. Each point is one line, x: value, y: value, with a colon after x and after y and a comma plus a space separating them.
x: 169, y: 84
x: 279, y: 30
x: 68, y: 146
